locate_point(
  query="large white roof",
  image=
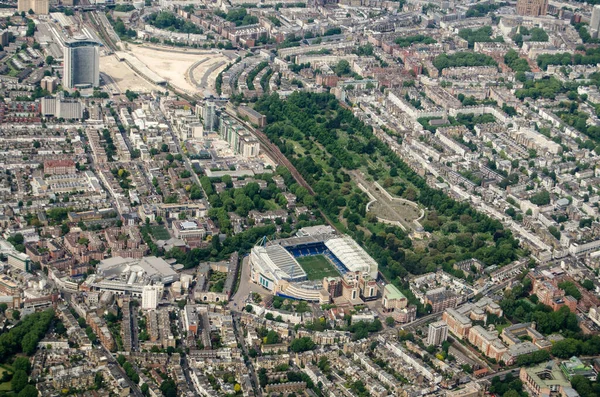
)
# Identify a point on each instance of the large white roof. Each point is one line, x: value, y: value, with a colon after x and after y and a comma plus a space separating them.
x: 352, y: 255
x: 280, y: 262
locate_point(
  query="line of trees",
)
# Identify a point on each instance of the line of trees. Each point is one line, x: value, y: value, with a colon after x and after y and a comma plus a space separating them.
x: 24, y: 337
x: 458, y: 59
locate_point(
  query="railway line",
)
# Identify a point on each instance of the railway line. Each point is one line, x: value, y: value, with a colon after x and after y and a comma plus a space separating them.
x: 273, y: 151
x: 276, y: 154
x: 104, y: 35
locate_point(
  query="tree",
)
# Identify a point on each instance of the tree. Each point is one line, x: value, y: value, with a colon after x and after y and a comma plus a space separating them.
x: 342, y: 68
x: 271, y: 338
x: 23, y: 364
x: 98, y: 380
x: 49, y: 60
x: 19, y: 380
x: 121, y: 359
x: 16, y: 315
x: 541, y: 198
x: 17, y: 239
x: 588, y: 284
x: 566, y: 348
x: 169, y: 388
x: 570, y: 289
x: 302, y: 344
x: 28, y: 391
x: 389, y: 321
x: 29, y: 343
x: 145, y: 389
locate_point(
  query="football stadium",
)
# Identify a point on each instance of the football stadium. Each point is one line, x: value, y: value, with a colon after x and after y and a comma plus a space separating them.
x: 298, y: 267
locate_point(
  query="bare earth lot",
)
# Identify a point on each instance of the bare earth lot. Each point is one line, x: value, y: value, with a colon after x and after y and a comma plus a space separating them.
x: 173, y: 65
x: 124, y: 77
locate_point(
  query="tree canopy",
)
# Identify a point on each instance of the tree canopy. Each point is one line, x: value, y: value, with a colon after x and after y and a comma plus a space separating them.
x: 444, y: 61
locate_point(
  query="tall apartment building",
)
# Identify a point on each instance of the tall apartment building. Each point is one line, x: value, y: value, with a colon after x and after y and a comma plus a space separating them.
x: 532, y: 8
x: 437, y: 333
x: 209, y: 115
x: 81, y: 63
x: 40, y: 7
x: 151, y: 296
x: 595, y: 22
x: 4, y: 37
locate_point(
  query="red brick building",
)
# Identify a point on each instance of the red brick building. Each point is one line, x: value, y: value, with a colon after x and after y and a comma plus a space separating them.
x: 59, y: 167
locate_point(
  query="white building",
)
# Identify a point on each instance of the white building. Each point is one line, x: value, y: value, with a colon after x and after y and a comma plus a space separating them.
x: 62, y: 108
x: 151, y: 296
x: 595, y: 21
x: 437, y: 334
x: 81, y: 63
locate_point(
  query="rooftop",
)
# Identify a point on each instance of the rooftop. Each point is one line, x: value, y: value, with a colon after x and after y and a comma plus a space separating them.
x: 392, y: 292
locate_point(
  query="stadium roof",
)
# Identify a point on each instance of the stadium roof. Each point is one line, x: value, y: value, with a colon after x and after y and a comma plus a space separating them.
x: 315, y: 230
x: 281, y: 263
x: 293, y: 241
x: 352, y: 255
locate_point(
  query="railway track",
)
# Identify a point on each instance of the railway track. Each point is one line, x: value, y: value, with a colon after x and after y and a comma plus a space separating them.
x: 273, y: 151
x: 102, y: 31
x: 276, y: 154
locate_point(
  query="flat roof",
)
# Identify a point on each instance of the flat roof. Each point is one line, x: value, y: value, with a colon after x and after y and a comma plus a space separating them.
x: 393, y: 293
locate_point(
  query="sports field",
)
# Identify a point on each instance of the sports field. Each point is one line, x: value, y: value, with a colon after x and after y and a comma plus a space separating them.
x: 317, y: 267
x: 159, y: 232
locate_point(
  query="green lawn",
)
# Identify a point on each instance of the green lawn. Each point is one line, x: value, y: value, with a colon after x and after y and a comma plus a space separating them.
x: 159, y: 232
x: 317, y: 267
x: 7, y: 385
x: 500, y: 327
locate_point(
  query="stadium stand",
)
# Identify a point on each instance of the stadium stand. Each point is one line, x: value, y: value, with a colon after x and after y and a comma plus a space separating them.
x: 274, y: 265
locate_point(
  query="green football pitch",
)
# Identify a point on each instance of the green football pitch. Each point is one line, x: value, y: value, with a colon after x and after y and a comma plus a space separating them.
x: 317, y: 267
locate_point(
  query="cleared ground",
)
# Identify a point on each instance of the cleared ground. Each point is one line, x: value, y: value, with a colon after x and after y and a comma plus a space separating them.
x: 206, y: 73
x: 317, y: 267
x: 173, y: 65
x: 125, y: 78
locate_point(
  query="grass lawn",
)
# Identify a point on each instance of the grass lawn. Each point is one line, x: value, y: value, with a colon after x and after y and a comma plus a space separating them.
x: 500, y: 327
x: 7, y: 385
x: 159, y: 232
x: 317, y: 267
